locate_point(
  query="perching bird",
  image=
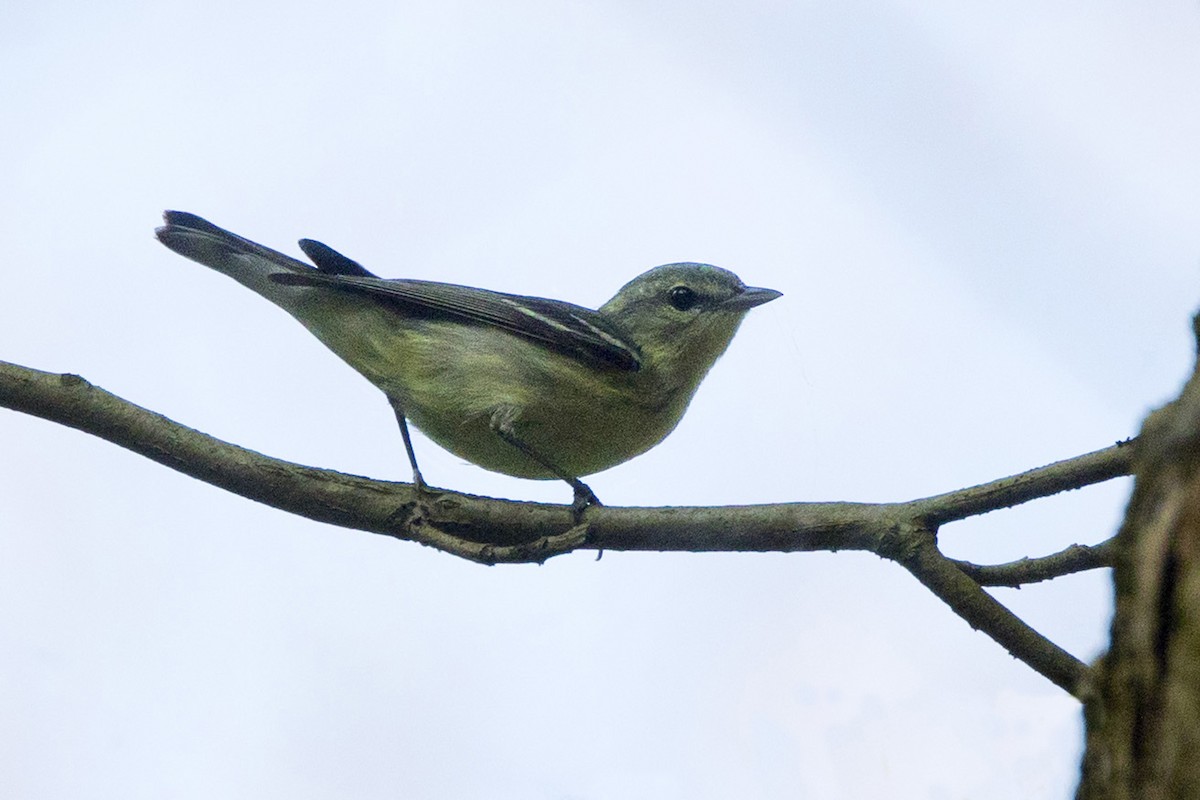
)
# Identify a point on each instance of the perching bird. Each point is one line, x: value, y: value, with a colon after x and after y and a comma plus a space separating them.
x: 524, y: 386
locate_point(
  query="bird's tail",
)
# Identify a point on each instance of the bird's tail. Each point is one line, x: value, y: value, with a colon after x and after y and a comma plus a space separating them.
x: 247, y: 262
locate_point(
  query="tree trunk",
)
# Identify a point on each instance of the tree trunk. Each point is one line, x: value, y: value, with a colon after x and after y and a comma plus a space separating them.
x: 1143, y: 708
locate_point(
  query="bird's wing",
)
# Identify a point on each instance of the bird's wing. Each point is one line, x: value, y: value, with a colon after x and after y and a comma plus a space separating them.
x: 331, y: 262
x: 572, y: 330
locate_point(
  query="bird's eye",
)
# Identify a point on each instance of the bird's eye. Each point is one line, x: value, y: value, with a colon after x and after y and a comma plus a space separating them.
x: 682, y: 298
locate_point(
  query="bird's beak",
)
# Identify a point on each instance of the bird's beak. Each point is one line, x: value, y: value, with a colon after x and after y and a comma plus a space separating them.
x: 751, y: 297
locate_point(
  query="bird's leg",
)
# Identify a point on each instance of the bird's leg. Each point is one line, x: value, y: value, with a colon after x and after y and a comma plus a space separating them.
x: 502, y: 424
x: 402, y: 421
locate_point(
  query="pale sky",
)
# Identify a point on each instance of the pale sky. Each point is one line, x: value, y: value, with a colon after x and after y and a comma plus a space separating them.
x: 983, y: 221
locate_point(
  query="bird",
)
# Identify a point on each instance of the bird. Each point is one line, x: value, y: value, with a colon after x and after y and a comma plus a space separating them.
x: 524, y: 386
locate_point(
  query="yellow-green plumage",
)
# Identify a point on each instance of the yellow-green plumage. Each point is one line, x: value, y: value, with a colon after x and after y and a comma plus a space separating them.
x: 584, y: 390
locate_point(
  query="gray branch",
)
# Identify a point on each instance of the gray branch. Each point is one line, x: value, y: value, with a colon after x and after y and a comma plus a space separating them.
x: 499, y: 531
x: 1076, y: 558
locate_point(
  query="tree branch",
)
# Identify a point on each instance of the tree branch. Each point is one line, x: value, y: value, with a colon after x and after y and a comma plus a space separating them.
x: 983, y: 612
x: 1072, y: 473
x: 1076, y: 558
x: 495, y: 531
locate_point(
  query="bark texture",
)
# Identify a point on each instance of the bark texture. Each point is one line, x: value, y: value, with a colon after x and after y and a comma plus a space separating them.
x: 1143, y: 709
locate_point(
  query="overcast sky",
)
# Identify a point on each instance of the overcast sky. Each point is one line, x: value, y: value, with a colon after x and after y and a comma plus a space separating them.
x: 983, y: 221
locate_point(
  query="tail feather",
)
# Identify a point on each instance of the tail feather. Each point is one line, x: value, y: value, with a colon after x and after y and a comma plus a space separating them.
x: 247, y: 262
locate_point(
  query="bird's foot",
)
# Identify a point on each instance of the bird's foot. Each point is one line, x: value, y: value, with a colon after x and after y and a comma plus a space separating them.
x: 585, y: 498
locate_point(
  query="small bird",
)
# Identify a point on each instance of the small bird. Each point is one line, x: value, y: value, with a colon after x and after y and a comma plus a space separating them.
x: 523, y: 386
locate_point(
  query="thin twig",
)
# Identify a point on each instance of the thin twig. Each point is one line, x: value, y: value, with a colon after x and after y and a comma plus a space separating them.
x: 1072, y: 473
x: 1076, y: 558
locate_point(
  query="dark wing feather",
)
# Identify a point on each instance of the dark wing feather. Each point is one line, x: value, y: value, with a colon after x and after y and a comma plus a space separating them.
x: 569, y: 329
x: 331, y: 262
